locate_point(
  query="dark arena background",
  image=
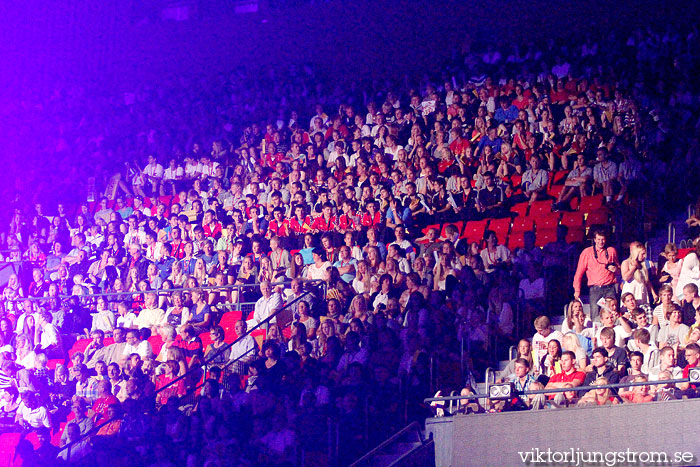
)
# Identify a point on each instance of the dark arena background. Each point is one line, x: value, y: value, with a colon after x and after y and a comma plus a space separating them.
x: 334, y: 233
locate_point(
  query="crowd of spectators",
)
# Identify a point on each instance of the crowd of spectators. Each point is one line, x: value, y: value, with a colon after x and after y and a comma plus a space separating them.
x: 370, y: 196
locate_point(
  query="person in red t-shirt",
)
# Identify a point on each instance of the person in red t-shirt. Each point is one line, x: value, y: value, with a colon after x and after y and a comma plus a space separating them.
x: 174, y: 390
x: 568, y: 376
x: 105, y: 399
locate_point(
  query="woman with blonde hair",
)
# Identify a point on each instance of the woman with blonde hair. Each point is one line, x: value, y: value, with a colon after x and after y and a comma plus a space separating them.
x: 571, y: 342
x: 200, y: 272
x: 672, y: 267
x: 602, y: 396
x: 635, y: 275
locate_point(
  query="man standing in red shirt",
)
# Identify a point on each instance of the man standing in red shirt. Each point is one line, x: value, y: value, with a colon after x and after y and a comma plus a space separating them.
x: 600, y: 264
x: 569, y: 377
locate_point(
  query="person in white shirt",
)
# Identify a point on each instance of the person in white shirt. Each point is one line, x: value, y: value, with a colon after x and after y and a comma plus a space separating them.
x: 50, y: 340
x: 243, y: 350
x: 172, y: 174
x: 134, y: 344
x: 32, y: 413
x: 126, y: 317
x: 266, y: 305
x: 541, y: 339
x: 150, y: 316
x: 153, y: 174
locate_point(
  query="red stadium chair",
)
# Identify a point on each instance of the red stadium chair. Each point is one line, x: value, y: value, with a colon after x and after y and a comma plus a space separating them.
x: 230, y: 335
x: 516, y: 180
x: 575, y: 235
x: 53, y: 363
x: 206, y: 339
x: 591, y: 203
x: 500, y: 227
x: 79, y: 346
x: 474, y: 230
x: 555, y: 191
x: 8, y: 443
x: 572, y: 219
x: 156, y: 343
x: 259, y: 336
x: 547, y: 221
x: 683, y: 252
x: 108, y: 341
x: 516, y: 240
x: 599, y: 217
x: 522, y: 224
x: 545, y: 236
x: 559, y: 177
x: 520, y: 209
x: 540, y: 208
x: 229, y: 319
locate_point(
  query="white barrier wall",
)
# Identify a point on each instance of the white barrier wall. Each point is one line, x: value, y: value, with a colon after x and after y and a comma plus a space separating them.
x: 630, y: 434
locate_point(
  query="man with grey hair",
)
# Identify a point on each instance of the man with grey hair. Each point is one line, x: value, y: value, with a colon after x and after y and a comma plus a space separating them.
x: 266, y: 305
x: 151, y: 316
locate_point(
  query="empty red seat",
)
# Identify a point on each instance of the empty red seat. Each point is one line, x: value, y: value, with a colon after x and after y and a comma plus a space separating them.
x: 156, y: 344
x: 108, y: 341
x: 516, y: 240
x: 474, y: 230
x: 79, y: 346
x: 590, y: 203
x: 555, y: 190
x: 572, y: 219
x: 206, y: 339
x: 599, y: 217
x: 500, y: 227
x: 559, y: 176
x: 522, y: 224
x: 259, y: 336
x: 53, y: 363
x: 516, y: 180
x: 539, y: 208
x: 547, y: 221
x: 575, y: 235
x: 230, y: 335
x: 229, y: 319
x: 520, y: 209
x: 545, y: 236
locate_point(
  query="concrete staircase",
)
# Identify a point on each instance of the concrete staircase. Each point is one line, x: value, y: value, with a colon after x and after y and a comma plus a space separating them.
x: 408, y: 447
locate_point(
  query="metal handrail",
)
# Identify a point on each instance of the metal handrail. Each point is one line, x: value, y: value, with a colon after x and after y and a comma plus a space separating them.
x: 412, y: 426
x: 156, y: 291
x: 205, y: 363
x: 671, y: 233
x: 248, y: 332
x: 555, y: 390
